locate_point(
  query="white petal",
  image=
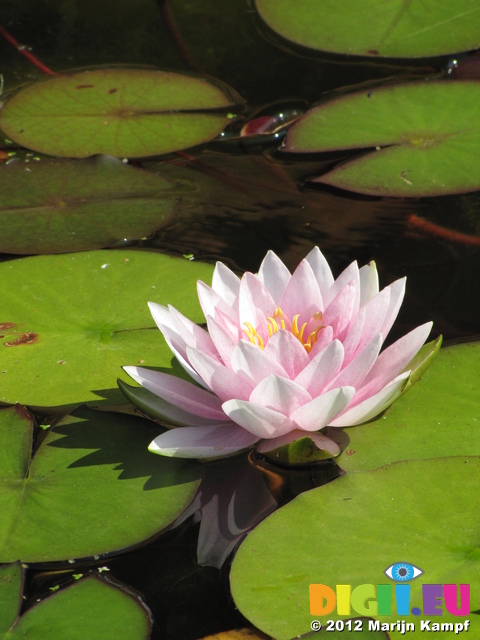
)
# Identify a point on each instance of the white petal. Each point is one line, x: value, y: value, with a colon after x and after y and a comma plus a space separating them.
x: 321, y: 369
x: 260, y: 421
x: 321, y: 410
x: 368, y: 282
x: 279, y: 394
x: 371, y: 407
x: 226, y: 284
x: 178, y: 392
x: 202, y: 442
x: 274, y: 275
x: 354, y: 373
x: 393, y: 360
x: 288, y: 351
x: 321, y: 270
x: 302, y: 295
x: 224, y: 382
x: 253, y: 363
x: 320, y: 439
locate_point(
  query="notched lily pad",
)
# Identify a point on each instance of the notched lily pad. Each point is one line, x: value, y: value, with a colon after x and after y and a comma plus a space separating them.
x: 90, y: 608
x: 393, y: 28
x: 91, y: 488
x: 425, y: 136
x: 422, y: 512
x: 438, y: 417
x: 54, y: 206
x: 70, y: 322
x: 119, y: 112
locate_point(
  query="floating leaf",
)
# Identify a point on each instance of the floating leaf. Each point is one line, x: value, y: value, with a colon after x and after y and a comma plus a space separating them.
x: 348, y: 532
x: 119, y: 112
x: 53, y: 206
x: 393, y: 28
x: 439, y: 416
x: 426, y: 137
x: 90, y: 608
x: 92, y: 487
x: 70, y: 322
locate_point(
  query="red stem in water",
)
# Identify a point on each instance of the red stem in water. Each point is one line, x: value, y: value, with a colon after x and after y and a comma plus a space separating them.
x: 25, y: 53
x: 441, y: 232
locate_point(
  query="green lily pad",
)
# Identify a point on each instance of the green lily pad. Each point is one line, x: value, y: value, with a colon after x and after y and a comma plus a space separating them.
x: 54, y: 206
x: 70, y: 322
x: 393, y: 28
x: 91, y: 487
x: 439, y: 416
x: 90, y: 608
x: 119, y: 112
x: 350, y: 531
x: 426, y: 137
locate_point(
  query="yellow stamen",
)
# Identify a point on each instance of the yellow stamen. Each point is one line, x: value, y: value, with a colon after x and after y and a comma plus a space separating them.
x: 273, y: 326
x: 252, y: 335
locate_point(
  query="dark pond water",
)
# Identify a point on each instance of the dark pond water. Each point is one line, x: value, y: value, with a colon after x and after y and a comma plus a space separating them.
x: 243, y: 197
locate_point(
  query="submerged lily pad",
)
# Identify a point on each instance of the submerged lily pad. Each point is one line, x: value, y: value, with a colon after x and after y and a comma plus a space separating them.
x: 439, y: 416
x: 119, y: 112
x: 70, y: 322
x: 393, y: 28
x: 426, y: 137
x: 90, y: 608
x: 92, y: 487
x: 53, y: 206
x: 350, y: 531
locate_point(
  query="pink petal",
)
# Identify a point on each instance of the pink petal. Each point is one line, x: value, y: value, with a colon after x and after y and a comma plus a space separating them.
x: 224, y: 382
x: 321, y: 369
x: 258, y: 420
x: 321, y: 270
x: 321, y: 441
x: 223, y: 340
x: 358, y: 368
x: 368, y: 282
x: 351, y: 335
x: 226, y: 284
x: 348, y: 274
x: 397, y: 292
x: 279, y: 394
x: 253, y: 364
x: 274, y: 275
x: 371, y: 407
x: 324, y: 337
x: 392, y: 361
x: 178, y: 392
x: 302, y: 295
x: 321, y: 410
x: 288, y: 351
x: 210, y: 301
x: 375, y: 312
x: 202, y: 442
x: 340, y: 311
x: 180, y: 332
x: 254, y: 302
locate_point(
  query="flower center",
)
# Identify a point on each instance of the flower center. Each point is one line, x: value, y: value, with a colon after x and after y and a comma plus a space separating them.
x: 280, y: 321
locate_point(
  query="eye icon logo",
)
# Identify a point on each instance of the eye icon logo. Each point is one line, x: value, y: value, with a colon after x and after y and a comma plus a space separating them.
x: 403, y: 572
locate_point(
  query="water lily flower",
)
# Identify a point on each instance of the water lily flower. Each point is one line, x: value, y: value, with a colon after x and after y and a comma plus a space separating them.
x: 284, y: 356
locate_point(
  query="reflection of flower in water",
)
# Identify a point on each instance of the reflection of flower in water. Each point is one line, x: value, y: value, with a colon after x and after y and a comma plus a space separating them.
x: 236, y: 494
x: 284, y: 356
